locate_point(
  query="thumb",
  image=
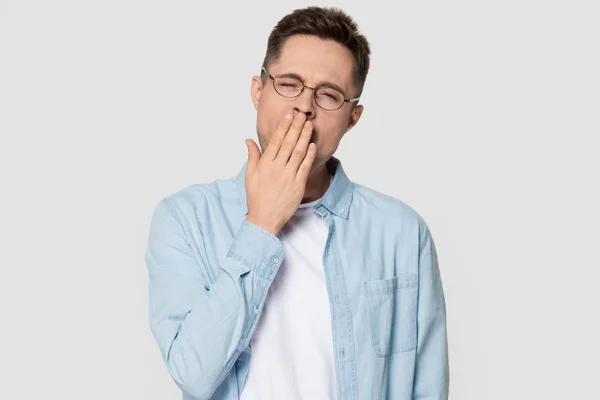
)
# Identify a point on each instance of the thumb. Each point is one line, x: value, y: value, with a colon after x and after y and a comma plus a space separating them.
x: 253, y: 154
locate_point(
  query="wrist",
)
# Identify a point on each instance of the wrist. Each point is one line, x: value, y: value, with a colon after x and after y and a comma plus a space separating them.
x: 267, y: 227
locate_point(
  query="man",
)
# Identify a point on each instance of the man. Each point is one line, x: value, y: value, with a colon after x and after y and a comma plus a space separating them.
x: 289, y: 281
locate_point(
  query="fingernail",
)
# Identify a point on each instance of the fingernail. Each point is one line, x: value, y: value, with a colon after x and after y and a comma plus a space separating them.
x: 289, y: 117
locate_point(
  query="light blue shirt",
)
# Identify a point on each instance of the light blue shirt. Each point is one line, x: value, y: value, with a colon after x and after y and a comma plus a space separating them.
x: 210, y: 271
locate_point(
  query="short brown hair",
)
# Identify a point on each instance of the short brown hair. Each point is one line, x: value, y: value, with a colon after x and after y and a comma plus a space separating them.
x: 325, y: 23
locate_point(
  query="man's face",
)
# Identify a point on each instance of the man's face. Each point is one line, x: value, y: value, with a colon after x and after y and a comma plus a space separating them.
x: 316, y: 61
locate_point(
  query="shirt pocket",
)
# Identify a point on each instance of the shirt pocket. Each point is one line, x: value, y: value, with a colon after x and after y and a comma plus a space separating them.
x: 392, y: 310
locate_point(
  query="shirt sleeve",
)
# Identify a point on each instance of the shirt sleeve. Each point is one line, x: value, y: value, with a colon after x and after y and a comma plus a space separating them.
x: 432, y: 368
x: 201, y: 327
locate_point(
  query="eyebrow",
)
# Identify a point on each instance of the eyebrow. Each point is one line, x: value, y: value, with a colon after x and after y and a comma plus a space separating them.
x: 321, y: 84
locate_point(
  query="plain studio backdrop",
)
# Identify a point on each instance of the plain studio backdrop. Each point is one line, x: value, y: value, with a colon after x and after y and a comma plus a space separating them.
x: 483, y: 116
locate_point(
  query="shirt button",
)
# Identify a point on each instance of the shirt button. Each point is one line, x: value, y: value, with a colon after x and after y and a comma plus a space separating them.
x: 275, y: 260
x: 343, y: 353
x: 337, y: 298
x: 342, y: 210
x: 256, y: 309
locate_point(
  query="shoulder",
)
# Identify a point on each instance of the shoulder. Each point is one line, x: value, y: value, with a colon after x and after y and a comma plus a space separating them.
x: 195, y: 198
x: 388, y: 209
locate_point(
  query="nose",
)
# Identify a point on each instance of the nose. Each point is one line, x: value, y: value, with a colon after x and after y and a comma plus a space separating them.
x: 305, y: 103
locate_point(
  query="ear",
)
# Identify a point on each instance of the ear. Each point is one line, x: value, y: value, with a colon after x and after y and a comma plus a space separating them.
x: 256, y: 90
x: 354, y: 116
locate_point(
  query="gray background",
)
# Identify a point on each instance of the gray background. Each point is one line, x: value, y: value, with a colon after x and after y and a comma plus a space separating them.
x: 483, y: 116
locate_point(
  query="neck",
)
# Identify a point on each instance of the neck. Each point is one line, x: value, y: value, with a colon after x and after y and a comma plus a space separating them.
x: 317, y: 184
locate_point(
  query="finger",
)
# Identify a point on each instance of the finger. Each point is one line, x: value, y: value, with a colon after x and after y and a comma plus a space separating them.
x: 278, y: 136
x: 253, y: 154
x: 291, y: 138
x: 306, y: 165
x: 301, y: 148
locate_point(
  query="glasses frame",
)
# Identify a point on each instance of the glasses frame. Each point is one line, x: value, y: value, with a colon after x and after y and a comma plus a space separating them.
x: 314, y: 92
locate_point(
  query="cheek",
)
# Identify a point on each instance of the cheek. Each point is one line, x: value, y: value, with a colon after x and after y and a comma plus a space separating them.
x: 329, y: 133
x: 269, y: 115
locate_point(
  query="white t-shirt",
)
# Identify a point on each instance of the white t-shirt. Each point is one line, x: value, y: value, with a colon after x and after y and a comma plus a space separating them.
x: 292, y: 347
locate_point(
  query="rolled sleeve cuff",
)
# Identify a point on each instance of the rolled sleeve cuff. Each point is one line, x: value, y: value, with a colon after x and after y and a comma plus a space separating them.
x: 257, y: 249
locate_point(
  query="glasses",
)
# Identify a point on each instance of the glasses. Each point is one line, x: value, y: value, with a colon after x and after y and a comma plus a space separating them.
x: 326, y: 97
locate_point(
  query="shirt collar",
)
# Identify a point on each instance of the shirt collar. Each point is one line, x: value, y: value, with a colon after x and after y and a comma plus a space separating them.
x: 337, y: 197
